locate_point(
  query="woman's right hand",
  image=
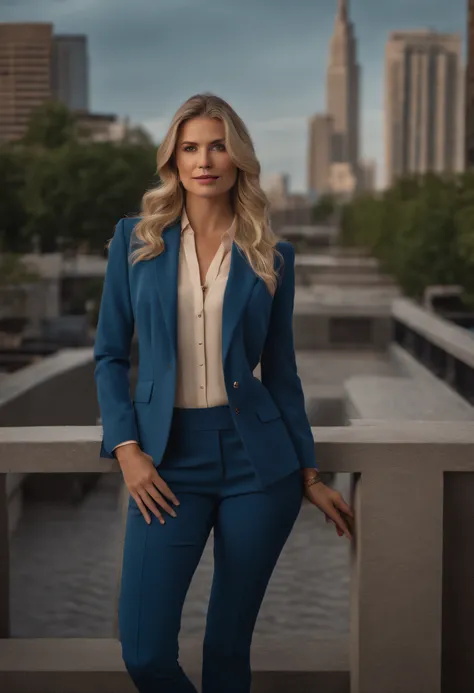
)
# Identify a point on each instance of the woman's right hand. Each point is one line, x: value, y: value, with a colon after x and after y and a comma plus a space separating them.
x: 144, y: 483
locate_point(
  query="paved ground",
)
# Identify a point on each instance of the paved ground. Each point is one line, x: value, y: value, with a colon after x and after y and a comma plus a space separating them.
x: 65, y: 560
x: 65, y: 563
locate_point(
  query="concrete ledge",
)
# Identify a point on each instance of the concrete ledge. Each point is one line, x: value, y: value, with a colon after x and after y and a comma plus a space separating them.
x: 77, y: 665
x: 417, y: 394
x: 444, y: 445
x: 392, y: 398
x: 25, y: 379
x: 452, y: 339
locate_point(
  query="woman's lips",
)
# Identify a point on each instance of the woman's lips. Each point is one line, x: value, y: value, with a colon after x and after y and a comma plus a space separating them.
x: 208, y: 180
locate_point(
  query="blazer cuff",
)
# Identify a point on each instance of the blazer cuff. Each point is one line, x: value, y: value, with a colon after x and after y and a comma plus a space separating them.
x: 125, y: 442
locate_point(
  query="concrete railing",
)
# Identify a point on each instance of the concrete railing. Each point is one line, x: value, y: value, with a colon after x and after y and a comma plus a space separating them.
x: 444, y: 348
x: 412, y: 600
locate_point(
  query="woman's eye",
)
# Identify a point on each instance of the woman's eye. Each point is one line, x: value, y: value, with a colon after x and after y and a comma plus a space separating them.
x: 189, y: 147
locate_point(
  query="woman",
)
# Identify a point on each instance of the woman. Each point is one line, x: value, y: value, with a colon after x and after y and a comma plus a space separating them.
x: 205, y: 444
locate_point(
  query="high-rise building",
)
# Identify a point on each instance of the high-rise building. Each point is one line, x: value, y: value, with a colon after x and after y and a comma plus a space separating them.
x: 320, y: 152
x: 343, y: 89
x: 469, y: 113
x: 334, y: 135
x: 368, y: 175
x: 424, y: 111
x: 70, y: 71
x: 25, y: 74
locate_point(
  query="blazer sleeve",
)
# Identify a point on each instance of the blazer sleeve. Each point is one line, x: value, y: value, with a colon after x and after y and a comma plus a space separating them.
x: 112, y: 349
x: 278, y: 363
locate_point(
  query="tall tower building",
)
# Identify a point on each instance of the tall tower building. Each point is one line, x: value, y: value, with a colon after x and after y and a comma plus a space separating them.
x: 70, y: 71
x: 469, y: 113
x: 25, y: 74
x: 424, y: 103
x: 334, y: 135
x: 320, y: 152
x: 343, y: 88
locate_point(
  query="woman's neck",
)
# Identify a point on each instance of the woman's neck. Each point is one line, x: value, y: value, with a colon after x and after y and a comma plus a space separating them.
x: 209, y: 216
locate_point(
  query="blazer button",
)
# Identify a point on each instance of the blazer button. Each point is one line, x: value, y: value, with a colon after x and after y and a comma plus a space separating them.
x: 236, y: 384
x: 237, y: 410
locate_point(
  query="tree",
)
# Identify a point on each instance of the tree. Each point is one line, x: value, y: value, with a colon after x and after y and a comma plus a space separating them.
x: 13, y: 165
x: 324, y: 209
x: 57, y: 186
x: 79, y: 192
x: 51, y: 125
x: 421, y: 230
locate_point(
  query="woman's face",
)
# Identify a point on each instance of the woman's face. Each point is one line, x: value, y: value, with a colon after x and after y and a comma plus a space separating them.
x: 201, y: 142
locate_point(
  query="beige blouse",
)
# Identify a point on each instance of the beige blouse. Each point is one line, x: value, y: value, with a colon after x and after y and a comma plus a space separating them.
x: 200, y: 375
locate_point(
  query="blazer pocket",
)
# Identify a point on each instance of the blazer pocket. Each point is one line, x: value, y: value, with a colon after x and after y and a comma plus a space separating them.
x: 143, y: 390
x: 268, y: 411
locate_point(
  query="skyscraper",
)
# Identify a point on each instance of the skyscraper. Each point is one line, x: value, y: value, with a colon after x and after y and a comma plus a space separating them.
x: 343, y: 88
x: 70, y: 71
x: 424, y: 111
x: 320, y: 152
x: 25, y: 74
x: 334, y: 135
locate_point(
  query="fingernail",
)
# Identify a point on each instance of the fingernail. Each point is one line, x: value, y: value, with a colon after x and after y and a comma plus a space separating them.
x: 176, y: 502
x: 174, y: 514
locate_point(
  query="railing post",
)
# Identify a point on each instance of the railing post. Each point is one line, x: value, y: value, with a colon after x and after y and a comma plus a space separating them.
x: 396, y: 584
x: 4, y: 561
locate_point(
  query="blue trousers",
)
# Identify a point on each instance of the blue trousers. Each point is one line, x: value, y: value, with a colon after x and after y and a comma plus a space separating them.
x: 206, y: 466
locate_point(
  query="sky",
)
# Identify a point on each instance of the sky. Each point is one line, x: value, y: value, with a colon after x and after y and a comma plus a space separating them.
x: 267, y: 58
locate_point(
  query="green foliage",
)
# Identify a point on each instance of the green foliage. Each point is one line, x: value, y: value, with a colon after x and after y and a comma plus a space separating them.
x: 52, y: 125
x: 58, y: 190
x: 421, y: 230
x: 13, y: 216
x: 324, y: 209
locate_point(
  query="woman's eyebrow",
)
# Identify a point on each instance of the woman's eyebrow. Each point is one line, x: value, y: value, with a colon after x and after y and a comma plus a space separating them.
x: 221, y: 139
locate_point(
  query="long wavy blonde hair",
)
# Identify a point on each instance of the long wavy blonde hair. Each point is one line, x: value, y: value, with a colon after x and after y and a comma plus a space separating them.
x: 162, y: 206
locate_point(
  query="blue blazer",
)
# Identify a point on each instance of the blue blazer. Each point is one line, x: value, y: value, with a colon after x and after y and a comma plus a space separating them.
x: 269, y: 414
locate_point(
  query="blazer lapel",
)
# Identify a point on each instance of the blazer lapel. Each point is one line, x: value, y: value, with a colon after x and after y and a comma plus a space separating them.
x: 166, y: 275
x: 240, y: 282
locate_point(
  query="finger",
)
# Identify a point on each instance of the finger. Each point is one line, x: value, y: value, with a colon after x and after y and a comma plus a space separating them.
x: 161, y: 484
x: 142, y: 508
x: 148, y: 501
x: 339, y: 522
x: 342, y: 505
x: 160, y: 500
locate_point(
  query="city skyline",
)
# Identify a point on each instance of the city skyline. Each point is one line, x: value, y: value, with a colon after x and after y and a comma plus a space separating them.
x: 271, y: 66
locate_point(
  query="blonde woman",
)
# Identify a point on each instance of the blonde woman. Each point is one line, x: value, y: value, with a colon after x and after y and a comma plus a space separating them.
x: 204, y: 444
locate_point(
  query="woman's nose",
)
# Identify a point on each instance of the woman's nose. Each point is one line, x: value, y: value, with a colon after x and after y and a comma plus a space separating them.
x: 205, y: 161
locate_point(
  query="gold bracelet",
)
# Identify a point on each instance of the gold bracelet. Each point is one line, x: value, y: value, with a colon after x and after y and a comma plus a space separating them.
x: 316, y: 479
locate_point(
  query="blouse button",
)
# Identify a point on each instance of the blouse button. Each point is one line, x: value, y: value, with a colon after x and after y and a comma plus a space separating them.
x: 236, y: 384
x: 237, y: 411
x: 199, y: 315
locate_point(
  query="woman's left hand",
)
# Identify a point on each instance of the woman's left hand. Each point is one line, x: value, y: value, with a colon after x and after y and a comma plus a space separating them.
x: 331, y: 503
